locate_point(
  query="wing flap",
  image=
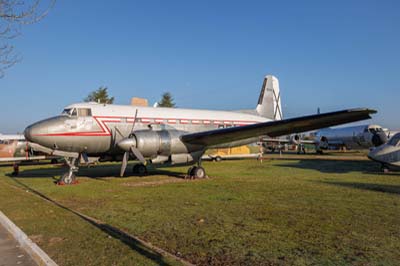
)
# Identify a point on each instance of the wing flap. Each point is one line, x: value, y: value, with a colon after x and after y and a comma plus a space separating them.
x: 277, y: 128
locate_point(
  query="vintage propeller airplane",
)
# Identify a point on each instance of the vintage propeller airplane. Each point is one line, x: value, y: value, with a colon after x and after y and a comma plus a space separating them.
x: 168, y: 136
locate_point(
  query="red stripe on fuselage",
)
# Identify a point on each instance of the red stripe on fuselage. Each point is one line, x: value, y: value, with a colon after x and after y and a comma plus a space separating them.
x: 106, y: 131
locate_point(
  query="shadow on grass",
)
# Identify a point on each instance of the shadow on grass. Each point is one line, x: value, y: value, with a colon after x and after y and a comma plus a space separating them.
x: 335, y: 166
x: 134, y: 243
x: 98, y: 172
x: 393, y: 189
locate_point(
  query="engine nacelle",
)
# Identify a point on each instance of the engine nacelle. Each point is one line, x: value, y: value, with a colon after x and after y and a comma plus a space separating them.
x: 153, y: 143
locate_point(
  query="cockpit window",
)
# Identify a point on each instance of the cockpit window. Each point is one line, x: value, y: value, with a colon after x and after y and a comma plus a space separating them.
x: 69, y: 112
x: 375, y: 130
x: 395, y: 140
x: 84, y: 112
x: 66, y: 111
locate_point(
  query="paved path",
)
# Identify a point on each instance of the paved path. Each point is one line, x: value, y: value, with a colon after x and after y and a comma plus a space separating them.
x: 10, y: 252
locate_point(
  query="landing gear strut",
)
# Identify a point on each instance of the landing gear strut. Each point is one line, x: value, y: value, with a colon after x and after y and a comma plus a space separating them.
x: 69, y: 177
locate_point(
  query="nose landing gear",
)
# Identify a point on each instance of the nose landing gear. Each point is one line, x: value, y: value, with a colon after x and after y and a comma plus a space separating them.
x: 69, y: 177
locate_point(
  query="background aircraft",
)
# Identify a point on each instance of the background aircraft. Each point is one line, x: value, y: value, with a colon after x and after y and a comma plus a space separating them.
x: 388, y: 154
x: 354, y: 137
x: 168, y: 136
x: 14, y: 148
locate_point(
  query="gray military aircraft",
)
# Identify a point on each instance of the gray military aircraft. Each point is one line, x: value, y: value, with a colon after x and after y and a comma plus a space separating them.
x: 168, y: 136
x: 354, y: 137
x: 388, y: 154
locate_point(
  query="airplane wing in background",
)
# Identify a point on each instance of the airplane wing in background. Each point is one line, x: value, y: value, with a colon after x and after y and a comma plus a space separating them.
x: 277, y: 128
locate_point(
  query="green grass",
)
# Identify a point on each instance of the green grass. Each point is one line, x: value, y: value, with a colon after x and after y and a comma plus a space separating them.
x: 279, y: 212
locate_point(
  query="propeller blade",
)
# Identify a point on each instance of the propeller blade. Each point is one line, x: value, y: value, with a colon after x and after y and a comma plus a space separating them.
x: 134, y: 121
x: 124, y: 163
x: 119, y: 132
x: 138, y: 155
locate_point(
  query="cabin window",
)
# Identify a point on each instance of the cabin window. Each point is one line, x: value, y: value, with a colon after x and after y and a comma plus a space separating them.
x: 84, y: 112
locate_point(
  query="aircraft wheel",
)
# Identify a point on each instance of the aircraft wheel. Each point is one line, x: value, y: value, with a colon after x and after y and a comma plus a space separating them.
x: 218, y: 159
x: 199, y: 172
x: 67, y: 179
x: 140, y: 169
x: 54, y: 161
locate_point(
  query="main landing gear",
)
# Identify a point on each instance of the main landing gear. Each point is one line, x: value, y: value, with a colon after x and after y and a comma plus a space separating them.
x: 196, y: 172
x: 69, y: 177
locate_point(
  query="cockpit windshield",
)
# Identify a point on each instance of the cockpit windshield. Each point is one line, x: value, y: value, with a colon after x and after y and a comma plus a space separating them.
x: 69, y: 112
x: 375, y: 130
x: 395, y: 140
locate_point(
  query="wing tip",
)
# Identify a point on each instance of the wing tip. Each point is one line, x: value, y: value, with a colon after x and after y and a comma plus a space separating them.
x: 364, y: 110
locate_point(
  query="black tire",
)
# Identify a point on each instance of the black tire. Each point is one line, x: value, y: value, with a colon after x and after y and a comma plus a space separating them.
x: 190, y: 171
x: 218, y: 158
x: 199, y: 172
x: 54, y: 161
x: 140, y: 169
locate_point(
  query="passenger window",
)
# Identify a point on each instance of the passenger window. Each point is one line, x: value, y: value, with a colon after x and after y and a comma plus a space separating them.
x: 84, y: 112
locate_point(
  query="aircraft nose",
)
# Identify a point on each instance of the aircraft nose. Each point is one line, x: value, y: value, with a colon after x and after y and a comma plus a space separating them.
x: 32, y: 133
x: 28, y: 133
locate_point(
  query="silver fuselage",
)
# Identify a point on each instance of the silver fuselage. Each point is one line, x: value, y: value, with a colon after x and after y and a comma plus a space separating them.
x: 106, y: 125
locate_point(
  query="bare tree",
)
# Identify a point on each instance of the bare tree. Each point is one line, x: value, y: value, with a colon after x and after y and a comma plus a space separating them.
x: 13, y: 15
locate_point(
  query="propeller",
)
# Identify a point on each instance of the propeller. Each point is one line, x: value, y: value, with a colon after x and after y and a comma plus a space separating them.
x: 129, y: 146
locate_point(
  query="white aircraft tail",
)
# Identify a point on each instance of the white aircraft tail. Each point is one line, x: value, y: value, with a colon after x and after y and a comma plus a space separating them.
x: 269, y: 102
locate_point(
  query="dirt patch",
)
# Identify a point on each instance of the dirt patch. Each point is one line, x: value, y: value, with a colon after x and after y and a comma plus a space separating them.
x: 55, y: 240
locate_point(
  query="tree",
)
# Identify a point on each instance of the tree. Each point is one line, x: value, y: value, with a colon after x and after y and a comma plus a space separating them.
x: 13, y: 15
x: 166, y: 100
x: 100, y: 96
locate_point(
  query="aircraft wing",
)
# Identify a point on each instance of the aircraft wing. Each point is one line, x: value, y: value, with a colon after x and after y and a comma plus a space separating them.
x: 277, y: 128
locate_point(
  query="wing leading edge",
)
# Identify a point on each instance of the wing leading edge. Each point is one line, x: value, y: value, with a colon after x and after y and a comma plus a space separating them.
x: 277, y: 128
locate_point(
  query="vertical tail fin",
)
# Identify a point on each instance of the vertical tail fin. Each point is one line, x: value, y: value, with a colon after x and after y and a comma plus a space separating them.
x: 269, y: 102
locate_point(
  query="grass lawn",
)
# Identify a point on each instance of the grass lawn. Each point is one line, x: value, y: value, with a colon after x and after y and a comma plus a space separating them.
x: 279, y: 212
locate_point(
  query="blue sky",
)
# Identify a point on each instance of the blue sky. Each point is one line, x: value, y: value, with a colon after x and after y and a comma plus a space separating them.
x: 208, y: 54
